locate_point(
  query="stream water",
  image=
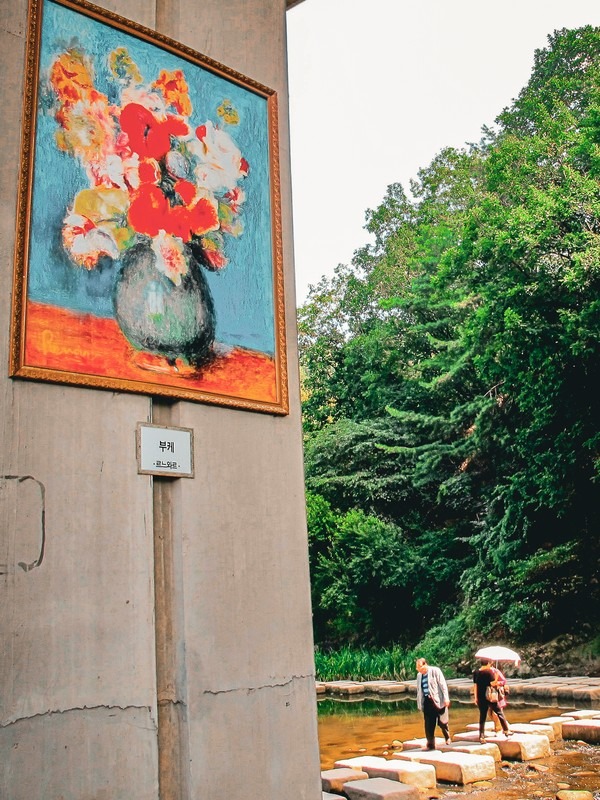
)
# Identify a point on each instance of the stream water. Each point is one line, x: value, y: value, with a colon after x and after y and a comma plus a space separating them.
x: 349, y: 728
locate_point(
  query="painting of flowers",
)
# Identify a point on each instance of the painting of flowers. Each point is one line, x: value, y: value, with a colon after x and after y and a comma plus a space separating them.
x: 150, y: 257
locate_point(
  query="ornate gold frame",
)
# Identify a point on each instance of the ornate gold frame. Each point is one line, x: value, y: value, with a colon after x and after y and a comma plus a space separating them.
x: 22, y: 364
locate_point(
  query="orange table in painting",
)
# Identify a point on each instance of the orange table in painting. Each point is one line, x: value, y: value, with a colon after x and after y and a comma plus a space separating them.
x: 70, y: 342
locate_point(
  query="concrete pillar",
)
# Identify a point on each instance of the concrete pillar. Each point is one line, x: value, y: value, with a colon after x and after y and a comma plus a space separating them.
x: 156, y: 633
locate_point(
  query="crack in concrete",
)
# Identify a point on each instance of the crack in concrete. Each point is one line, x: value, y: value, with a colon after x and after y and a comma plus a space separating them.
x: 248, y: 689
x: 53, y: 711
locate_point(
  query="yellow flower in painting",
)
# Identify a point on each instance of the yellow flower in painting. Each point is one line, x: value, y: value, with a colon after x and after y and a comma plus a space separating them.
x: 71, y: 78
x: 101, y: 204
x: 88, y: 132
x: 123, y: 66
x: 228, y: 112
x: 97, y: 225
x: 175, y: 90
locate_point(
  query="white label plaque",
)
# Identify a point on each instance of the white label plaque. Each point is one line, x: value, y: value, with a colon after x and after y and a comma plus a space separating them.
x: 165, y: 451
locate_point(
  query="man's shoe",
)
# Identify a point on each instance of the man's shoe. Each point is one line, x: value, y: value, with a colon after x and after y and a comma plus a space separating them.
x: 448, y: 741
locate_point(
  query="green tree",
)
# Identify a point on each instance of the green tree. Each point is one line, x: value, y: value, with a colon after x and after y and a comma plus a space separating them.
x: 450, y: 370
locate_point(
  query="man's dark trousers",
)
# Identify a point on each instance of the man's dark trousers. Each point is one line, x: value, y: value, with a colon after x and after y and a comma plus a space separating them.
x: 431, y: 714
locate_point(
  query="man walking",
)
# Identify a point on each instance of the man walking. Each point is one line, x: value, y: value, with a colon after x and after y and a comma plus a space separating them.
x: 432, y: 700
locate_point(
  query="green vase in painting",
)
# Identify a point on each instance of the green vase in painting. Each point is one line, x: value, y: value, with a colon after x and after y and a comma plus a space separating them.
x: 158, y: 317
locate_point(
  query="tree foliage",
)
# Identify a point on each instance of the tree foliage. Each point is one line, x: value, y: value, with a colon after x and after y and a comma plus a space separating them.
x: 450, y: 403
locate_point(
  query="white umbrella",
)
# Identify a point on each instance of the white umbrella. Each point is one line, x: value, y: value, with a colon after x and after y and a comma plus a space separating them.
x: 497, y: 653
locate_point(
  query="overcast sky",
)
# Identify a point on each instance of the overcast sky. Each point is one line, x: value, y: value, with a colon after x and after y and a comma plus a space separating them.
x: 378, y: 87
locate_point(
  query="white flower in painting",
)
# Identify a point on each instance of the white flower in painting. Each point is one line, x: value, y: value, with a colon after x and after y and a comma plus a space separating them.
x: 170, y: 258
x: 86, y: 242
x: 117, y: 171
x: 153, y: 101
x: 220, y: 164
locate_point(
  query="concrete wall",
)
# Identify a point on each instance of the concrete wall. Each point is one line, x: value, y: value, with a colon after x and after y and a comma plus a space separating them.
x: 156, y: 634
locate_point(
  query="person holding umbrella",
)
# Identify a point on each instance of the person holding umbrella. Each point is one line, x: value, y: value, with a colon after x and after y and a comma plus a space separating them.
x: 485, y: 689
x: 502, y: 701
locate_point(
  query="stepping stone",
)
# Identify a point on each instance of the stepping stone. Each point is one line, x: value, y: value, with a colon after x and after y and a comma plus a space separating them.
x: 393, y: 688
x: 574, y: 794
x: 474, y: 726
x: 359, y: 762
x: 475, y: 748
x: 540, y: 730
x: 329, y: 796
x: 320, y: 688
x: 520, y: 747
x: 345, y: 687
x: 454, y: 767
x: 517, y: 687
x: 543, y: 690
x: 409, y: 772
x: 588, y: 730
x: 462, y: 689
x: 384, y: 687
x: 555, y: 723
x: 380, y: 789
x: 583, y: 713
x: 591, y: 693
x: 419, y: 744
x: 333, y: 780
x: 565, y: 692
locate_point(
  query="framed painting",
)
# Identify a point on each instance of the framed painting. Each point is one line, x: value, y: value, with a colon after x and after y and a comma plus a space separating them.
x: 148, y: 252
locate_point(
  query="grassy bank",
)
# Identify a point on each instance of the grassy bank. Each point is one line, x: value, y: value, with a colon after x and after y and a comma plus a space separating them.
x: 364, y: 665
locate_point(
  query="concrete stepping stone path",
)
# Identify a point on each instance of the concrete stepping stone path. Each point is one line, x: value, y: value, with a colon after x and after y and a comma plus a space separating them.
x: 392, y: 688
x: 588, y: 730
x: 555, y: 723
x: 333, y: 780
x: 460, y: 747
x: 421, y: 775
x: 345, y: 687
x: 358, y: 762
x: 534, y: 728
x: 519, y: 747
x: 380, y: 789
x: 409, y: 772
x: 583, y: 713
x: 454, y: 767
x: 419, y: 744
x: 579, y: 688
x: 517, y: 727
x: 477, y: 749
x: 464, y: 761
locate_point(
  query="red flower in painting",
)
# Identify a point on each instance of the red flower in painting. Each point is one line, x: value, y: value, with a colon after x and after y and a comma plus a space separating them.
x: 148, y: 136
x: 203, y: 217
x: 148, y: 210
x: 186, y: 190
x: 150, y: 177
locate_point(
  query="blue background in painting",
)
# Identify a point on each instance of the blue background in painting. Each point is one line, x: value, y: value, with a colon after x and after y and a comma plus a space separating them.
x: 243, y: 291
